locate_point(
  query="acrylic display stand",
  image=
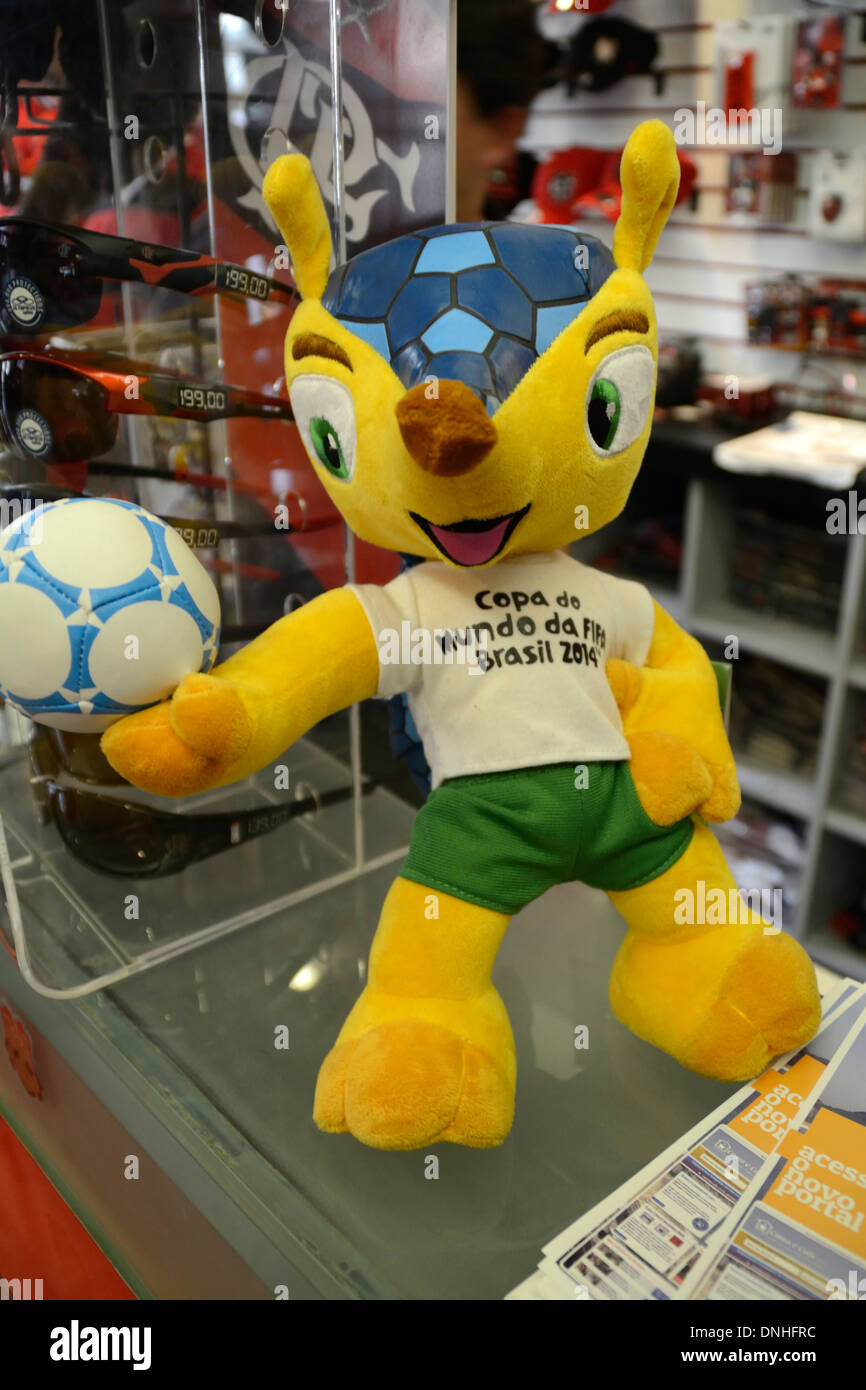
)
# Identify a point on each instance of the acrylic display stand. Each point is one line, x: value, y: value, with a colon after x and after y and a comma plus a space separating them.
x: 198, y: 101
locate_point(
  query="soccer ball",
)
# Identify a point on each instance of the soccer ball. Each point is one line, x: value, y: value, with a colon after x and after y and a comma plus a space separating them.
x: 103, y: 610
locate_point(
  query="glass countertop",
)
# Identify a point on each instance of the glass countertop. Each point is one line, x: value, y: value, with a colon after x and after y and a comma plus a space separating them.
x: 375, y: 1222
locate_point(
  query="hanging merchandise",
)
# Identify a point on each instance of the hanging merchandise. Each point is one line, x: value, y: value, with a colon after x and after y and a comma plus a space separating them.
x: 837, y: 198
x: 567, y: 175
x: 753, y: 70
x: 838, y: 316
x: 606, y: 196
x: 573, y: 183
x: 603, y: 51
x: 778, y: 312
x: 817, y: 72
x: 762, y: 186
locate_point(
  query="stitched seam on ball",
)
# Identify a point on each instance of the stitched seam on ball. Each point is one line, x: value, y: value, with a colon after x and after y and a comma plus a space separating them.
x: 52, y: 584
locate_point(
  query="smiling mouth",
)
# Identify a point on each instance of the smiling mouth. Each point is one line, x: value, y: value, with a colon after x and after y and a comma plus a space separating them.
x: 473, y: 542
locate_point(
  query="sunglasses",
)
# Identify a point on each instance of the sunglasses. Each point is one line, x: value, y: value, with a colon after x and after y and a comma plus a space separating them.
x: 210, y: 482
x: 127, y: 839
x: 198, y: 534
x: 51, y: 276
x: 62, y: 412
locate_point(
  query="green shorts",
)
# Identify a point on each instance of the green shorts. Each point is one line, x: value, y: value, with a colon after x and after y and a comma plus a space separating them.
x: 503, y: 838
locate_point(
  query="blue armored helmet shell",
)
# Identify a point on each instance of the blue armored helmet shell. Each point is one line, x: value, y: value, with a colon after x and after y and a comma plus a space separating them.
x: 476, y: 302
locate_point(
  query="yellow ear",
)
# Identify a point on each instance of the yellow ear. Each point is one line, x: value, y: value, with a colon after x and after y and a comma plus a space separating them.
x: 650, y: 177
x: 292, y: 195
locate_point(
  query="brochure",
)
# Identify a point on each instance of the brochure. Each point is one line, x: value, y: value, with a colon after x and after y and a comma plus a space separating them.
x: 801, y: 1234
x: 652, y: 1235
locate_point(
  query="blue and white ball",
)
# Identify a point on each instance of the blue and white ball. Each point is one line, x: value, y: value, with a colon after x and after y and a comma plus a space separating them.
x: 103, y: 610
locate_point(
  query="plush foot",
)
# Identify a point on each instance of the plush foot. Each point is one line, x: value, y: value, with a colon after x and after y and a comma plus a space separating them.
x: 723, y: 1003
x: 411, y: 1072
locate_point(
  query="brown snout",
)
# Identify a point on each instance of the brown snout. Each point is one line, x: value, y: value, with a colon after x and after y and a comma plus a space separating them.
x: 448, y: 433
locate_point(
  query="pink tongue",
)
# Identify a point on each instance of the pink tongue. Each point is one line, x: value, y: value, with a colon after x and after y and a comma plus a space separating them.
x: 471, y: 547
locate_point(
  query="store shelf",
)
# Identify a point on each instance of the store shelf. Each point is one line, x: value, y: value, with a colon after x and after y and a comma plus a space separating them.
x: 831, y: 950
x: 784, y: 791
x: 857, y: 673
x: 793, y: 644
x: 847, y: 824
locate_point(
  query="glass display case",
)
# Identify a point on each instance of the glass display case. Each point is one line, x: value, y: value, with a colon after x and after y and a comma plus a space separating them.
x: 206, y: 1067
x: 131, y: 128
x: 181, y: 1015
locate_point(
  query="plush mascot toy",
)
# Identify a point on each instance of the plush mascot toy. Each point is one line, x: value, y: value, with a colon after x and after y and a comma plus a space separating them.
x: 480, y: 396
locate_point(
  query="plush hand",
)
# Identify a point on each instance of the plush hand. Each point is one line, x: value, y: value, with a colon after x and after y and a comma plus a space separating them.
x: 225, y: 726
x: 681, y: 760
x: 186, y: 744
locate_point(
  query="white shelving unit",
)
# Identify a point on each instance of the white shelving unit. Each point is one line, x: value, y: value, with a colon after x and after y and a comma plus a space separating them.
x: 834, y: 871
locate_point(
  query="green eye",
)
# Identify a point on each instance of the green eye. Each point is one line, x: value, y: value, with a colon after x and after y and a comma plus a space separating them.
x: 619, y: 400
x: 326, y: 443
x: 325, y: 415
x: 603, y: 412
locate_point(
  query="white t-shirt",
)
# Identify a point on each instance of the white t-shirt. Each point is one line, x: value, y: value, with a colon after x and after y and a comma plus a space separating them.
x: 504, y: 667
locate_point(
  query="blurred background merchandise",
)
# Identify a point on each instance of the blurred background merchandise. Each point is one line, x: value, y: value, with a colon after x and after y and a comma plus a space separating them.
x: 759, y: 290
